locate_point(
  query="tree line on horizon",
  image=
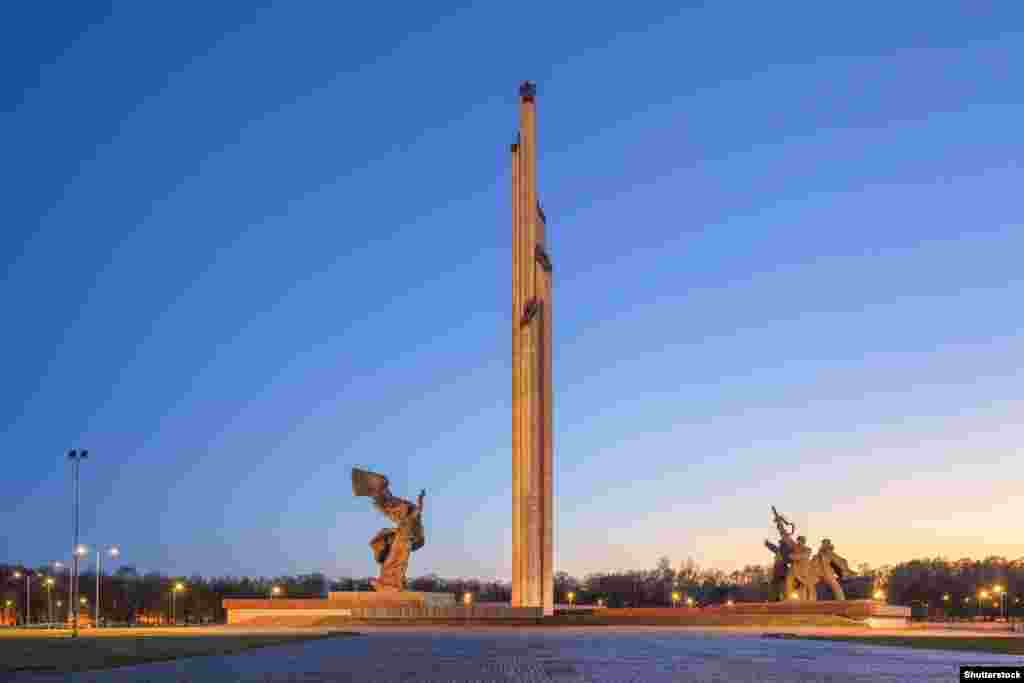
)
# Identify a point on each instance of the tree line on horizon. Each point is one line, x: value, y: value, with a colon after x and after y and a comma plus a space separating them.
x: 955, y: 588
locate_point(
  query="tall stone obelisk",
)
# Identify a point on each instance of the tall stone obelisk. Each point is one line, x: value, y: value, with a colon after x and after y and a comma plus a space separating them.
x: 532, y: 482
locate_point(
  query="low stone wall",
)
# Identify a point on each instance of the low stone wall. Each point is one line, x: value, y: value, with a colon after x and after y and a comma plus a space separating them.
x: 388, y: 608
x: 350, y: 600
x: 851, y: 609
x: 319, y: 612
x: 396, y: 599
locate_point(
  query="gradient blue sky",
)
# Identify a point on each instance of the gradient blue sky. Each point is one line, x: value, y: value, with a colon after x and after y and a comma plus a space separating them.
x: 246, y: 249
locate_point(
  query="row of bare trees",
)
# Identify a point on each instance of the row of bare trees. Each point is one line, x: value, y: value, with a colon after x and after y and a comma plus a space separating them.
x: 128, y: 596
x: 957, y: 588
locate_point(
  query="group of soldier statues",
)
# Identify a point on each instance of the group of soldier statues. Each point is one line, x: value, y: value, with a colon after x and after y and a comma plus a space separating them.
x: 797, y: 573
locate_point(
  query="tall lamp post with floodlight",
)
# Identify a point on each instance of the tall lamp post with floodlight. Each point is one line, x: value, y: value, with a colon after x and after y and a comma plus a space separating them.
x: 75, y: 456
x: 113, y: 551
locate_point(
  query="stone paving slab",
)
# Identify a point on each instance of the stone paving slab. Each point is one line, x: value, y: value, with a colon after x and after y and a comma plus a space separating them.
x: 600, y: 655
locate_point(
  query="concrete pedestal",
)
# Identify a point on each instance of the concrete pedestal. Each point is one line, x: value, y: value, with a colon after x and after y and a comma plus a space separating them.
x: 366, y: 599
x: 378, y: 608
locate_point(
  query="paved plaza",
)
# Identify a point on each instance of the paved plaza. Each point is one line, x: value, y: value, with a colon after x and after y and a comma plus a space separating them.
x: 484, y: 655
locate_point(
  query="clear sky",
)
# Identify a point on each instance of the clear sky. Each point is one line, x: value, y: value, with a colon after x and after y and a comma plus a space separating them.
x: 245, y: 249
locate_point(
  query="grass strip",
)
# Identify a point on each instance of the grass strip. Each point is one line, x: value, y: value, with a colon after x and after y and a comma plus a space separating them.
x: 63, y: 654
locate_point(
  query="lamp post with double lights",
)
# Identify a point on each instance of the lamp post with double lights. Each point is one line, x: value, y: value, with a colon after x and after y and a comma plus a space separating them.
x: 75, y: 456
x: 113, y: 551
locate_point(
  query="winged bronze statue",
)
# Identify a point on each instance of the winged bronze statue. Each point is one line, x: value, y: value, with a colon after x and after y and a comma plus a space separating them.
x: 392, y: 546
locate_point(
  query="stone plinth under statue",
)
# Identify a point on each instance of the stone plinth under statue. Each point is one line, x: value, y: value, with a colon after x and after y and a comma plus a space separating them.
x: 370, y: 607
x: 390, y: 599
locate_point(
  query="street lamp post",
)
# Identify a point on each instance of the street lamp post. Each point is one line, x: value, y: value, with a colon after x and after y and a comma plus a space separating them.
x: 274, y: 591
x: 76, y: 457
x: 80, y: 552
x: 998, y: 590
x: 28, y: 592
x: 178, y: 587
x: 675, y: 598
x: 57, y: 566
x: 113, y: 551
x: 49, y: 598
